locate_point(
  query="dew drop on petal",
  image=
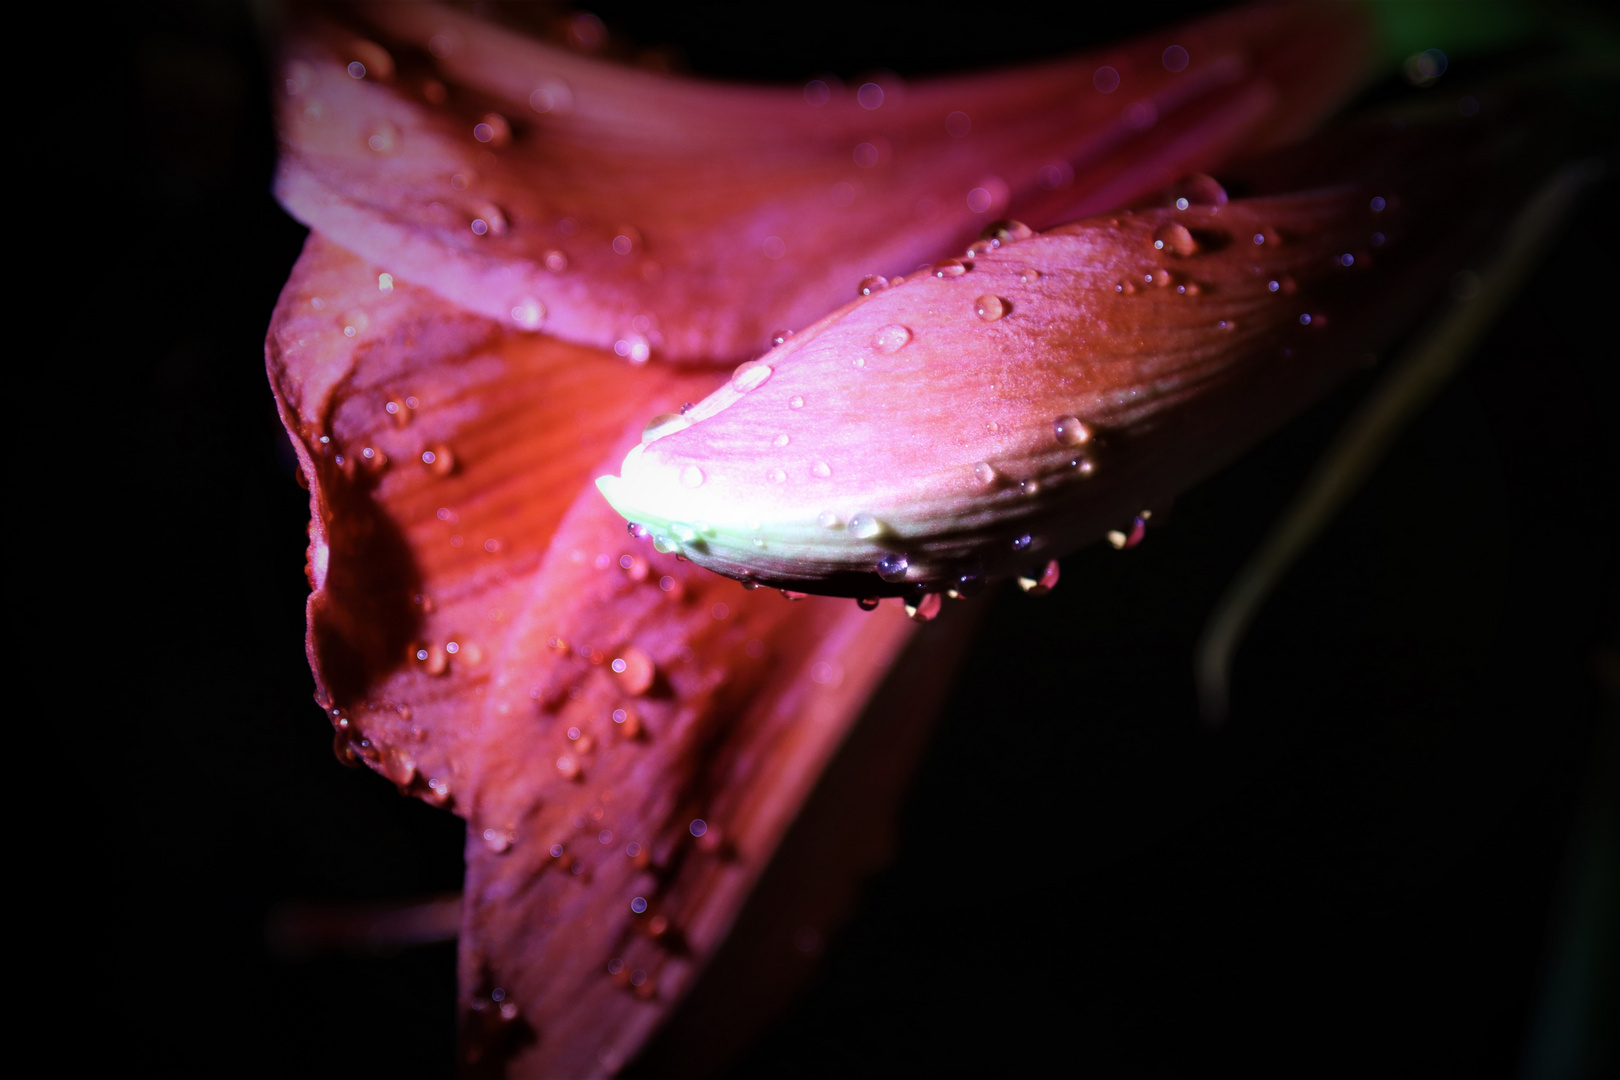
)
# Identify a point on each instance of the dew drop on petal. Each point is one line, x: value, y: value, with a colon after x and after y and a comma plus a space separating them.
x: 750, y: 375
x: 777, y: 476
x: 529, y: 313
x: 821, y: 470
x: 893, y: 567
x: 926, y: 609
x: 868, y: 603
x: 1070, y: 431
x: 781, y: 440
x: 1175, y: 238
x: 864, y: 526
x: 873, y: 284
x: 635, y: 671
x: 990, y: 308
x: 891, y: 338
x: 1028, y: 276
x: 828, y: 520
x: 692, y: 476
x: 663, y: 424
x: 951, y: 268
x: 796, y: 402
x: 1042, y: 583
x: 984, y: 473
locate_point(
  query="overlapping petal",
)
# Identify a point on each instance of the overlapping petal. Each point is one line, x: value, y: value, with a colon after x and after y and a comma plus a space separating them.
x: 488, y: 636
x: 1000, y: 410
x: 659, y: 215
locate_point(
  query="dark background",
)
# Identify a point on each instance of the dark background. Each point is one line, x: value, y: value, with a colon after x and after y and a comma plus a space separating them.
x: 1373, y: 868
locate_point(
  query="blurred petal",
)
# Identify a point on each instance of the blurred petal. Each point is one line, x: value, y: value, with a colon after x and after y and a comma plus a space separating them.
x: 487, y: 635
x: 1002, y: 410
x: 652, y: 214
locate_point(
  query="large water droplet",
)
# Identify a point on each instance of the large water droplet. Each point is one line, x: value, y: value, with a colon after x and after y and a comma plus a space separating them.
x: 1199, y: 189
x: 1042, y: 583
x: 635, y: 670
x: 750, y: 375
x: 893, y: 567
x: 664, y: 424
x: 864, y: 526
x: 984, y: 473
x: 1175, y: 238
x: 439, y: 460
x: 891, y: 338
x: 821, y: 470
x: 1070, y: 431
x: 692, y: 476
x: 873, y: 284
x: 951, y: 268
x: 925, y: 609
x: 529, y: 313
x: 827, y: 520
x: 1005, y: 232
x: 990, y: 308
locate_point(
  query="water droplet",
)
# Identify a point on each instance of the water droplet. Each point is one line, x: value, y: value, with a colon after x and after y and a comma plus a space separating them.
x: 1029, y: 276
x: 1126, y: 287
x: 795, y: 402
x: 1084, y: 466
x: 777, y: 476
x: 692, y: 476
x: 1031, y: 486
x: 568, y: 767
x: 926, y: 609
x: 951, y: 268
x: 439, y: 460
x: 875, y: 283
x: 990, y: 308
x: 498, y: 841
x: 1042, y: 583
x: 992, y: 427
x: 1005, y: 232
x: 865, y: 526
x: 780, y: 336
x: 821, y: 470
x: 1175, y: 238
x: 891, y: 338
x: 869, y: 603
x: 493, y: 129
x: 781, y: 440
x: 750, y: 375
x: 984, y: 473
x: 635, y: 670
x: 828, y: 520
x: 1175, y: 58
x: 893, y: 567
x: 1070, y: 431
x: 663, y: 424
x: 1022, y: 542
x: 529, y: 313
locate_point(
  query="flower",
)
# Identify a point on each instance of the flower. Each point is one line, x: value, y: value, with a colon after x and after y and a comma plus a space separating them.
x: 462, y: 348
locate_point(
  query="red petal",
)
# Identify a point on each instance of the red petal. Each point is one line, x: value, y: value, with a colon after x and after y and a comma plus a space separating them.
x: 980, y: 421
x: 738, y: 211
x: 732, y: 700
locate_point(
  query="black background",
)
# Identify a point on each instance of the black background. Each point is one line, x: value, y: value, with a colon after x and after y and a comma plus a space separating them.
x: 1364, y: 872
